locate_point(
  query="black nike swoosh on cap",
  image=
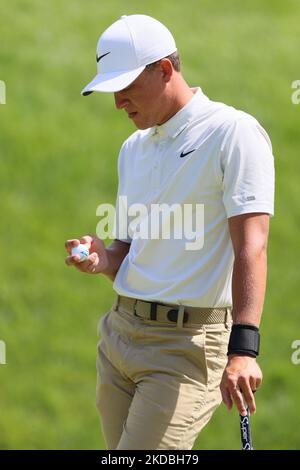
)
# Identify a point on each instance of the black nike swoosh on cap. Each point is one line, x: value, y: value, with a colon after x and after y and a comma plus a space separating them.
x: 186, y: 153
x: 100, y: 56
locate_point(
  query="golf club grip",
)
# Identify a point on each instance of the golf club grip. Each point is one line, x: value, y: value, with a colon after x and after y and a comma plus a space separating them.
x: 245, y: 428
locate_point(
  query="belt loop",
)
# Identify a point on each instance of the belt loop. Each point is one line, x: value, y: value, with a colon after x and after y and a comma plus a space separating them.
x: 116, y: 304
x: 134, y: 308
x: 180, y: 316
x: 228, y: 317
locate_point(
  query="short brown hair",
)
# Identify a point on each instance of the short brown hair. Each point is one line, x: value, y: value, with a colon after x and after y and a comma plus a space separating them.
x: 174, y: 58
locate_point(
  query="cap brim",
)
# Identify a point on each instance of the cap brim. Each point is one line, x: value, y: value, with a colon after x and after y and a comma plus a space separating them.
x: 111, y: 82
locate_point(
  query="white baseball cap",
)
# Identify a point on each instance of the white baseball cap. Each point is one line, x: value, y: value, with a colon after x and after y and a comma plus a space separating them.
x: 124, y: 50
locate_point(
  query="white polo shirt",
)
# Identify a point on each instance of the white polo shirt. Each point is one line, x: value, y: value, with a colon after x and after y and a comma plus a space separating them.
x: 208, y: 153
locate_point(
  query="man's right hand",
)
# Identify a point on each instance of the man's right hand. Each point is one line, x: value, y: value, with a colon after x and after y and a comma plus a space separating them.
x: 97, y: 261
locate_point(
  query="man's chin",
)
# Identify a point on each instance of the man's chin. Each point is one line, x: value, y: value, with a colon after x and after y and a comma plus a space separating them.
x: 138, y: 122
x: 141, y: 125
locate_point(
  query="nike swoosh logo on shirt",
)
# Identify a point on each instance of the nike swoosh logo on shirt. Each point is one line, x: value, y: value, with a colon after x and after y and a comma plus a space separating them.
x: 184, y: 154
x: 100, y: 56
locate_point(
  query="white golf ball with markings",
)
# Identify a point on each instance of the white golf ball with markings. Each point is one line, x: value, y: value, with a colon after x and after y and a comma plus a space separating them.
x: 82, y: 251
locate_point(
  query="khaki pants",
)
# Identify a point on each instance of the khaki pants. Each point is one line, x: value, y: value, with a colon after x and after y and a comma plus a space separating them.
x: 157, y: 384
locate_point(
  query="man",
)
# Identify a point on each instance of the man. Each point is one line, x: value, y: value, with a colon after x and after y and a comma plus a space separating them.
x: 164, y: 362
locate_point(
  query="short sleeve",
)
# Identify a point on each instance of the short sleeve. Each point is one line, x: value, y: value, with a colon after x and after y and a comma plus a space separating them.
x: 247, y: 166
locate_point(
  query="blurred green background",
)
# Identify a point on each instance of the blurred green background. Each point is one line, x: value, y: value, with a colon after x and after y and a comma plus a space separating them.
x: 58, y: 156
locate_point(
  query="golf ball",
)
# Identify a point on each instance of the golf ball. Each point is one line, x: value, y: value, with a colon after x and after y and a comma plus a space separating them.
x: 81, y: 250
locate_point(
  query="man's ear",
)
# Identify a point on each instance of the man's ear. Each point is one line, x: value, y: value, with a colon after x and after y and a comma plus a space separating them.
x: 167, y: 69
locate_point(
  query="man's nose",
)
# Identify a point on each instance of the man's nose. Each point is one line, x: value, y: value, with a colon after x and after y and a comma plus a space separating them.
x: 120, y: 100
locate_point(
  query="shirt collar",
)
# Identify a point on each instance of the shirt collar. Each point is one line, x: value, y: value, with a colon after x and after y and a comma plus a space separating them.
x: 182, y: 118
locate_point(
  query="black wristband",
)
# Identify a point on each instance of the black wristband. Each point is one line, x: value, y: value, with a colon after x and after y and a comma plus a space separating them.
x: 244, y: 340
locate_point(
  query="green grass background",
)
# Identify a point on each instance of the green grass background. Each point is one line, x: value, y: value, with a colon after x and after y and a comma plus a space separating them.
x: 58, y: 155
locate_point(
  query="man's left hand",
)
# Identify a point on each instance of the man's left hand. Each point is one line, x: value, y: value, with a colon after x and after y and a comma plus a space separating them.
x: 241, y: 378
